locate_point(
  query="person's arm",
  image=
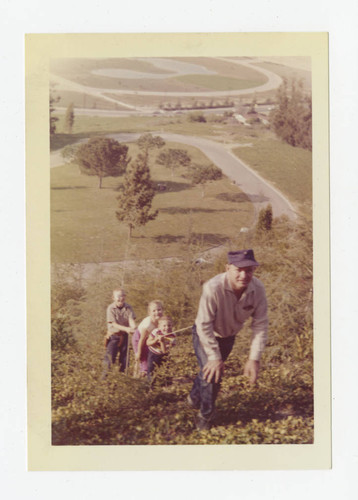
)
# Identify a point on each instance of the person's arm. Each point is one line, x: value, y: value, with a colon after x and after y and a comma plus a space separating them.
x: 163, y: 347
x: 142, y: 341
x: 205, y: 324
x: 114, y: 327
x: 259, y: 328
x: 152, y: 339
x: 205, y: 319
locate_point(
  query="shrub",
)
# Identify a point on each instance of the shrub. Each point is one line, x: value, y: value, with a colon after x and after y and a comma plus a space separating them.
x: 264, y: 222
x: 196, y: 117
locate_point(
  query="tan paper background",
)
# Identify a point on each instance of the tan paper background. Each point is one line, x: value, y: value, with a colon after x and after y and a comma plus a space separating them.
x: 43, y: 456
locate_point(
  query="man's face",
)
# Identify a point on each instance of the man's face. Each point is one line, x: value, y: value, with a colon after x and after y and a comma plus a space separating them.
x: 119, y: 298
x: 239, y: 277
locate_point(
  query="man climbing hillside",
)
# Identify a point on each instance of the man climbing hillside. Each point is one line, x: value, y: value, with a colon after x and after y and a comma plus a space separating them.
x: 227, y: 301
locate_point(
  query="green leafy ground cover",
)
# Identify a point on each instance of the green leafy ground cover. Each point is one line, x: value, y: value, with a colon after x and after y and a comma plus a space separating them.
x: 121, y: 410
x: 84, y: 227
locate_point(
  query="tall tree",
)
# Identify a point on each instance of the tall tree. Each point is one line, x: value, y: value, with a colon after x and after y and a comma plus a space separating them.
x: 102, y: 157
x: 292, y: 118
x: 53, y: 119
x: 173, y: 158
x: 203, y: 174
x: 135, y: 199
x: 146, y: 142
x: 69, y: 118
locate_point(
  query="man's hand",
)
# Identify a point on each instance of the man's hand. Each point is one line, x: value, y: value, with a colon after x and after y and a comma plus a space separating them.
x: 213, y: 370
x: 251, y: 370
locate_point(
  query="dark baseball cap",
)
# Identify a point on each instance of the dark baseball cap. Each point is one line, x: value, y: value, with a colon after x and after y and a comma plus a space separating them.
x: 242, y: 258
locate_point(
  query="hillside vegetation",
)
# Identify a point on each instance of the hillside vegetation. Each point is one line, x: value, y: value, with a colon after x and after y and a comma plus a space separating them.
x: 122, y: 410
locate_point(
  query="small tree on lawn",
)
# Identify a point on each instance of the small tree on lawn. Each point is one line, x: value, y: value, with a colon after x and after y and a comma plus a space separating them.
x: 69, y: 118
x: 146, y: 142
x: 135, y: 199
x: 102, y: 157
x: 174, y: 158
x: 202, y: 174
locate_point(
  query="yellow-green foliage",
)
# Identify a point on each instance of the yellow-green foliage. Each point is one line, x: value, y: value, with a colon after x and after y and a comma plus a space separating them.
x: 122, y: 410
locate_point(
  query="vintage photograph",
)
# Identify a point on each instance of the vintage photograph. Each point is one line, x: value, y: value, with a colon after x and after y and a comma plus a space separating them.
x: 182, y: 281
x: 181, y: 195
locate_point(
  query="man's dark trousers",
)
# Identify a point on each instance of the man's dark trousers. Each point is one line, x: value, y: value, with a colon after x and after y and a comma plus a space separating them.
x: 203, y: 393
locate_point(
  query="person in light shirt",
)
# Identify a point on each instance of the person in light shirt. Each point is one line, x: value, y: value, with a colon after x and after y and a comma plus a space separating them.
x: 120, y: 323
x: 227, y: 301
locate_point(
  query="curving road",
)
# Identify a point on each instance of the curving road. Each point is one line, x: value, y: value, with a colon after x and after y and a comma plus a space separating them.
x: 259, y: 190
x: 273, y: 82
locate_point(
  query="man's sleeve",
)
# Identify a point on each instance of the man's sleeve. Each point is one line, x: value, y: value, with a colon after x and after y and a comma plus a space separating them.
x: 205, y: 324
x: 111, y: 319
x: 110, y: 315
x: 132, y: 313
x: 259, y: 325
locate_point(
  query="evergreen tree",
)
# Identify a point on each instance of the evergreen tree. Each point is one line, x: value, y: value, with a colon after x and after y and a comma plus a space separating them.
x: 292, y: 119
x: 135, y: 199
x: 173, y: 158
x: 69, y: 118
x: 102, y: 157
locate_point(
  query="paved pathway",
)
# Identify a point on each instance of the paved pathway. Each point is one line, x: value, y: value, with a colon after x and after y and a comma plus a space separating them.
x: 259, y: 190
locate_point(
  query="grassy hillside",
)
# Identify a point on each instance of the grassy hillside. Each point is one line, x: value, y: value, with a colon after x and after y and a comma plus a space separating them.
x: 121, y: 410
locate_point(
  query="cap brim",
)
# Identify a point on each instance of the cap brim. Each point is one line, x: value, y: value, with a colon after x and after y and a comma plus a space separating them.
x: 245, y: 263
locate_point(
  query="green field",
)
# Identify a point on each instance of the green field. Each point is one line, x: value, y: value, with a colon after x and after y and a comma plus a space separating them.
x: 286, y: 167
x: 83, y: 100
x: 230, y: 75
x: 84, y: 227
x: 217, y: 82
x: 289, y: 72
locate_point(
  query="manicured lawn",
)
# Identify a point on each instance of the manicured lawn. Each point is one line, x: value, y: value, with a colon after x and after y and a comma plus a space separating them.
x: 84, y: 227
x: 286, y: 167
x: 218, y: 82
